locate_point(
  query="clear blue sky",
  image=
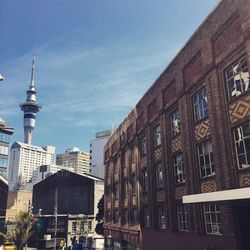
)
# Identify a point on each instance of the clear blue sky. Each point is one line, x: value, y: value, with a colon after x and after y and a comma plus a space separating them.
x: 94, y: 60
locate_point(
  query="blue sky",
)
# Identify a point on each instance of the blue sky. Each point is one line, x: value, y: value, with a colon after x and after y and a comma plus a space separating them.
x: 94, y: 60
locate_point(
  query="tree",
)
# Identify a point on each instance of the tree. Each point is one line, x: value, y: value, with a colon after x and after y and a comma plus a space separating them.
x: 23, y: 231
x: 100, y: 216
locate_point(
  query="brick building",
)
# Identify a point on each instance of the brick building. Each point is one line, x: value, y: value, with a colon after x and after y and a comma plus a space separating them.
x: 177, y: 170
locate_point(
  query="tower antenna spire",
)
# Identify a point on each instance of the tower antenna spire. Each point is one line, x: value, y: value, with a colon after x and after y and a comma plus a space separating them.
x: 32, y: 82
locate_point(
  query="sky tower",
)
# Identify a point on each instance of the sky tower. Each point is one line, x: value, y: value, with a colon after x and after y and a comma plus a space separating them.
x: 30, y: 107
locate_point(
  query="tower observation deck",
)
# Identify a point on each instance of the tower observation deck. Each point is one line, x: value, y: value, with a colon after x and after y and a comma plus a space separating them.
x: 30, y: 107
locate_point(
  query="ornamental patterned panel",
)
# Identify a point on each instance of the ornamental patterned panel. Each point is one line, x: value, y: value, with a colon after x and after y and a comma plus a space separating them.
x: 245, y: 180
x: 144, y: 161
x: 179, y: 192
x: 176, y: 144
x: 158, y: 153
x: 160, y: 196
x: 208, y: 186
x: 240, y: 109
x: 202, y: 130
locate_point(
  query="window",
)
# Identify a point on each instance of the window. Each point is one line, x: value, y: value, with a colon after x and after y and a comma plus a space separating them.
x: 178, y: 168
x: 157, y: 136
x: 182, y: 218
x: 125, y: 189
x: 237, y: 78
x: 73, y: 228
x: 212, y: 219
x: 4, y: 137
x: 161, y: 217
x: 116, y: 191
x: 242, y: 144
x: 205, y: 157
x: 132, y: 154
x: 134, y: 216
x: 116, y: 217
x: 200, y: 105
x: 175, y: 122
x: 145, y: 180
x: 143, y: 144
x: 125, y: 216
x: 146, y: 217
x: 133, y: 184
x: 159, y: 175
x: 4, y: 150
x: 115, y: 166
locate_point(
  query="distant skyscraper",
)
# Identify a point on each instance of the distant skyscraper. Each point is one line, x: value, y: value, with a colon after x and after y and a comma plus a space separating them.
x: 97, y: 153
x: 76, y: 159
x: 5, y: 133
x: 30, y: 107
x: 24, y: 159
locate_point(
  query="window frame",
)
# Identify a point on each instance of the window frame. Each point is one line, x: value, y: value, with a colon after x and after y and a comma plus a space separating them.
x: 157, y: 135
x: 212, y: 221
x: 159, y: 172
x: 203, y: 156
x: 200, y: 104
x: 144, y: 178
x: 161, y: 217
x: 240, y: 144
x: 182, y: 218
x: 230, y: 78
x: 175, y: 128
x: 143, y: 145
x: 179, y: 169
x: 146, y: 217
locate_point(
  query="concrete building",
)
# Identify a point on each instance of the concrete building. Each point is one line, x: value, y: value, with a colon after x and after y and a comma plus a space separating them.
x: 74, y: 158
x: 18, y: 201
x: 97, y: 153
x: 76, y: 198
x: 177, y: 170
x: 3, y: 201
x: 5, y: 133
x: 24, y: 159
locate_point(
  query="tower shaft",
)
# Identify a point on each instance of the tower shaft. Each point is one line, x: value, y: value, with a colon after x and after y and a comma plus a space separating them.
x: 30, y: 107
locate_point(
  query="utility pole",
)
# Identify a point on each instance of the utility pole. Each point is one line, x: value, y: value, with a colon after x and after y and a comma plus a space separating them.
x: 56, y: 201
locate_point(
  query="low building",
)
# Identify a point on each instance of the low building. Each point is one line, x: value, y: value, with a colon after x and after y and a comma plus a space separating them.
x: 3, y: 201
x: 74, y: 197
x: 177, y: 170
x: 97, y: 153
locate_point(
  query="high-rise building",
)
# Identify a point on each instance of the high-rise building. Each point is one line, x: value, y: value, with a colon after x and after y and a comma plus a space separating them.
x: 5, y: 133
x: 24, y: 159
x: 97, y: 153
x: 177, y: 170
x: 30, y: 107
x: 76, y: 159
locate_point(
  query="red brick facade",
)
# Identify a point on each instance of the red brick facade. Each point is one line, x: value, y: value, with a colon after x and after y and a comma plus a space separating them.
x: 182, y: 139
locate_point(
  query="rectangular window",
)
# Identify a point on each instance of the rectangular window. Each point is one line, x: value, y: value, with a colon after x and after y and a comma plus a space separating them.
x: 200, y: 105
x: 242, y: 144
x: 175, y: 122
x: 212, y: 219
x: 125, y: 189
x: 145, y: 180
x: 159, y: 175
x: 205, y: 158
x: 115, y: 166
x: 116, y: 217
x: 146, y: 217
x: 135, y: 216
x: 143, y: 146
x: 182, y: 218
x: 133, y: 184
x: 157, y: 136
x: 178, y: 168
x: 161, y: 217
x: 237, y: 78
x: 125, y: 216
x: 131, y: 154
x: 116, y: 191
